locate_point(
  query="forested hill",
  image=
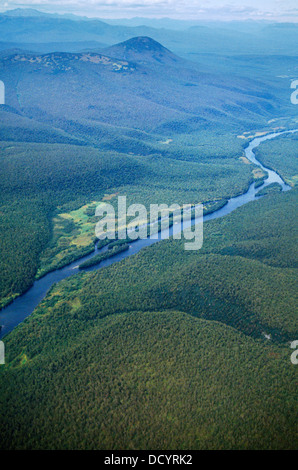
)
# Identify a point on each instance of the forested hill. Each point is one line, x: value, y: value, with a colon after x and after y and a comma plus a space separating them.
x: 147, y: 87
x: 143, y: 50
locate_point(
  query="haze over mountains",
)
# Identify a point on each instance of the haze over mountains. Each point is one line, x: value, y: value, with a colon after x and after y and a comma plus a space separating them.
x: 89, y: 80
x: 41, y: 32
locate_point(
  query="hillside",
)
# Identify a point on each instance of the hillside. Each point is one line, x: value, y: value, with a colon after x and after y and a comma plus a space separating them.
x: 145, y: 80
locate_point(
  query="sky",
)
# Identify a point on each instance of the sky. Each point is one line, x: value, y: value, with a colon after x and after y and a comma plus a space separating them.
x: 277, y: 10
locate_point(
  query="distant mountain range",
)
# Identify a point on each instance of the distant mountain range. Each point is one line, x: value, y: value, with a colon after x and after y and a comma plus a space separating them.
x: 31, y: 12
x: 32, y: 30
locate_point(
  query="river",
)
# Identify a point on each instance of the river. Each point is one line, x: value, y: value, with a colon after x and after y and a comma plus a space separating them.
x: 23, y: 306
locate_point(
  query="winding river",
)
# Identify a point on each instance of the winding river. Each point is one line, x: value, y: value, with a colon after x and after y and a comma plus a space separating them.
x: 23, y: 306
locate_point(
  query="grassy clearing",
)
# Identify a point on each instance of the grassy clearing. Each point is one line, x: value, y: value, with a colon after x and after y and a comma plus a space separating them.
x: 73, y: 234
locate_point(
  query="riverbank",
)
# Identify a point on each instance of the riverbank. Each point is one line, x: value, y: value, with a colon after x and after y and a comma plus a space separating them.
x: 24, y: 305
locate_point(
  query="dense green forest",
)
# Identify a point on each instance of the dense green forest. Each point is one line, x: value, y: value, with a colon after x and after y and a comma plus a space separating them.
x: 147, y: 380
x: 165, y: 349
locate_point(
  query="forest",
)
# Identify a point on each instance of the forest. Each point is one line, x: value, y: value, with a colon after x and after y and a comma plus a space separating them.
x: 281, y: 157
x: 165, y: 349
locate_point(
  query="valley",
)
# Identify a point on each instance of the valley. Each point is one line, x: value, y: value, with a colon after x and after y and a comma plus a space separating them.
x: 145, y: 345
x: 82, y: 237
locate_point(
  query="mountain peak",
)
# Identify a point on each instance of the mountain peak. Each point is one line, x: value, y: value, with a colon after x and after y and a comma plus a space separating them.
x: 142, y: 49
x: 143, y: 43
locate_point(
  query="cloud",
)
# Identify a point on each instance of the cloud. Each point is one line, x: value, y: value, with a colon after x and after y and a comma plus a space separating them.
x: 191, y: 9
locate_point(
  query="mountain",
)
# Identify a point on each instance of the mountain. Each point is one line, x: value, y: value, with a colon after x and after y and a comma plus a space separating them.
x: 143, y: 50
x: 30, y: 26
x: 166, y: 23
x: 24, y: 13
x: 31, y: 12
x: 48, y: 28
x: 155, y: 91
